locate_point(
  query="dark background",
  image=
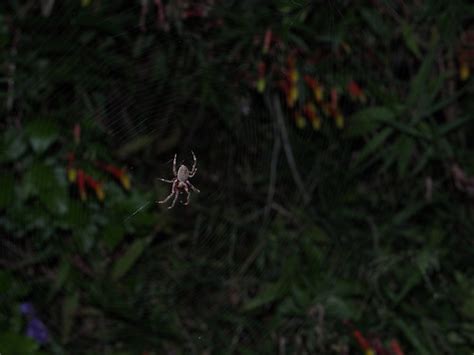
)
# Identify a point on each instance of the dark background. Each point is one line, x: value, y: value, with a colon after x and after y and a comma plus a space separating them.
x: 334, y: 153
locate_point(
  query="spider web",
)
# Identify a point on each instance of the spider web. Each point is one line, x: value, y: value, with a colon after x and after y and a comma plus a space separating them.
x: 262, y: 173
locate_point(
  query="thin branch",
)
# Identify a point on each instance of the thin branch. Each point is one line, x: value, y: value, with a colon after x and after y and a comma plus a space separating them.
x: 288, y: 150
x: 273, y: 172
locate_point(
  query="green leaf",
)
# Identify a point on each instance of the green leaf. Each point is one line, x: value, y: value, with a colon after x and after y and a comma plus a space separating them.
x: 270, y: 293
x: 55, y: 199
x: 61, y: 277
x: 467, y: 308
x: 418, y: 85
x: 77, y: 215
x: 451, y: 126
x: 407, y: 213
x: 113, y: 234
x: 410, y: 40
x: 141, y: 142
x: 14, y: 344
x: 42, y: 177
x: 376, y: 23
x: 124, y: 264
x: 6, y: 281
x: 42, y: 133
x: 70, y: 305
x: 12, y: 145
x: 367, y: 120
x: 339, y: 308
x: 412, y: 337
x: 7, y: 190
x: 374, y: 144
x: 405, y: 149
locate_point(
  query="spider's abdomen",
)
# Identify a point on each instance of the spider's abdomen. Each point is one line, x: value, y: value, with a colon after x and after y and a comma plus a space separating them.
x: 183, y: 173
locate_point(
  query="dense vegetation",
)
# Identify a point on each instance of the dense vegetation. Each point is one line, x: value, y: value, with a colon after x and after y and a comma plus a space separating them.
x: 334, y: 152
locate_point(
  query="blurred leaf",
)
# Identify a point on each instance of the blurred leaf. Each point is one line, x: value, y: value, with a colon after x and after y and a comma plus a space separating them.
x: 6, y: 281
x: 339, y: 308
x: 77, y: 215
x: 42, y: 177
x: 374, y: 144
x: 7, y: 190
x: 377, y: 24
x: 367, y: 120
x: 130, y: 257
x: 55, y: 199
x: 141, y: 142
x: 42, y: 133
x: 12, y: 145
x: 453, y: 125
x: 405, y: 149
x: 407, y: 213
x: 14, y: 344
x: 61, y: 277
x: 410, y: 40
x: 270, y: 293
x: 412, y: 336
x: 467, y: 308
x: 113, y: 234
x: 70, y: 305
x: 418, y: 85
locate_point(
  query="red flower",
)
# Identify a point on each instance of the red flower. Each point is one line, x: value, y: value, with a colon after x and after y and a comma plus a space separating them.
x: 334, y: 99
x: 316, y: 87
x: 81, y: 184
x: 261, y: 77
x: 310, y: 112
x: 361, y: 340
x: 267, y: 41
x: 119, y: 173
x: 96, y: 186
x: 77, y: 133
x: 355, y: 91
x: 395, y: 347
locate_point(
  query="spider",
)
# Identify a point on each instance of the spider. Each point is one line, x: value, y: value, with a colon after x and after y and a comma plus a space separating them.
x: 180, y: 181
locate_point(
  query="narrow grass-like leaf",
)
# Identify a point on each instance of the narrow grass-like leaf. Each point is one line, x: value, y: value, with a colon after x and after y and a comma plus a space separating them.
x: 374, y: 144
x: 125, y: 263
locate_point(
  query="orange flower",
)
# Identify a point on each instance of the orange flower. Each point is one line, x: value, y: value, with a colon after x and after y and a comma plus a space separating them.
x: 395, y: 347
x: 334, y: 99
x: 96, y: 186
x: 300, y: 121
x: 355, y: 91
x: 267, y: 41
x: 81, y: 184
x: 119, y: 173
x: 71, y: 171
x: 362, y: 341
x: 71, y: 174
x: 77, y: 133
x: 316, y: 87
x: 294, y: 76
x: 292, y: 96
x: 261, y: 77
x: 464, y: 70
x: 310, y: 112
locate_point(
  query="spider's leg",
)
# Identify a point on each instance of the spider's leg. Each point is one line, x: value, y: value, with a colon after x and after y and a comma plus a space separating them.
x: 193, y: 187
x: 174, y: 201
x: 168, y: 197
x: 194, y: 169
x: 168, y: 181
x: 173, y: 191
x: 187, y: 191
x: 174, y: 165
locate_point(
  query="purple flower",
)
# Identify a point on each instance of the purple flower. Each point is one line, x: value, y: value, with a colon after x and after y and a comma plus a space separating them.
x: 27, y: 309
x: 37, y: 330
